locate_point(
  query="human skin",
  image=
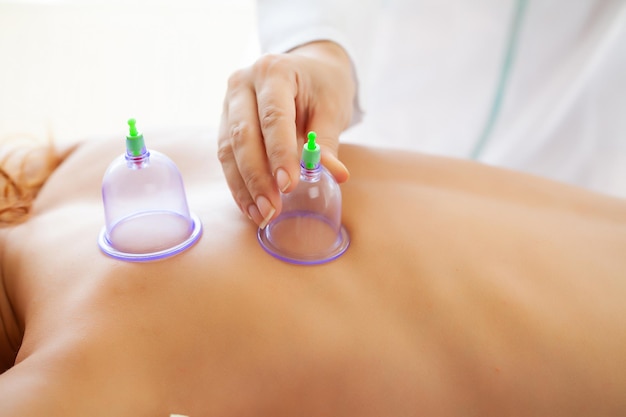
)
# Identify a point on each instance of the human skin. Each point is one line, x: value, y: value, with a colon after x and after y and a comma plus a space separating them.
x: 467, y: 290
x: 271, y: 104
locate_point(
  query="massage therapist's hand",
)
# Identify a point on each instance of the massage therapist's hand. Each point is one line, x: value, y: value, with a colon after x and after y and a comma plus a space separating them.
x: 269, y: 108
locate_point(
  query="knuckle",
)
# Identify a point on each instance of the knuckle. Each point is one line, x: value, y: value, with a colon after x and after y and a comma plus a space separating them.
x: 278, y: 152
x: 280, y: 68
x: 239, y: 133
x: 224, y: 151
x: 270, y: 116
x: 271, y: 63
x: 231, y: 138
x: 237, y: 79
x: 254, y: 180
x: 242, y: 196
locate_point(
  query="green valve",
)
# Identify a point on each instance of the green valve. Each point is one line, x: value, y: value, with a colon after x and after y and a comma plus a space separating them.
x: 135, y: 145
x: 311, y: 154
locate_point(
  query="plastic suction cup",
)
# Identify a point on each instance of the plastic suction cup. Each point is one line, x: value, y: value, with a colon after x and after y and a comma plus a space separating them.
x: 308, y: 230
x: 145, y: 206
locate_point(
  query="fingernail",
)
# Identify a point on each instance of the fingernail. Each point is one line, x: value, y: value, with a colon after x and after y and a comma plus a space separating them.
x: 266, y: 209
x: 254, y: 214
x: 282, y: 180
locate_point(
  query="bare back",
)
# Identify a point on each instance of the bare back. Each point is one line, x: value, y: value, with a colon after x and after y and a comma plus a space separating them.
x: 465, y: 289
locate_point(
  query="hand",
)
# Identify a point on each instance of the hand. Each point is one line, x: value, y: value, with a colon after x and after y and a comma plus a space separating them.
x: 268, y: 109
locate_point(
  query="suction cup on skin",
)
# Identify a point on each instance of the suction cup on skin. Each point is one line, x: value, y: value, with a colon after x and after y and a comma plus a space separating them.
x: 308, y: 230
x: 145, y: 207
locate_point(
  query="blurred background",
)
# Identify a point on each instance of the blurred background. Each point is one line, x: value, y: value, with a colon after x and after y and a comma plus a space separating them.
x: 77, y: 68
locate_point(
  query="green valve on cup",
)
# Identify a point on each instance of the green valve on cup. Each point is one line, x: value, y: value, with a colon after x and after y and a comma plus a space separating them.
x: 311, y: 153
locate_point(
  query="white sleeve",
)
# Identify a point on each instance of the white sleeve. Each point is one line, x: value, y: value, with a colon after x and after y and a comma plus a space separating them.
x: 286, y: 24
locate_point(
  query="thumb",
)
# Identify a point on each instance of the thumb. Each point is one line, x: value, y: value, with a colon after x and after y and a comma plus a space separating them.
x: 329, y: 145
x: 336, y: 168
x: 328, y: 126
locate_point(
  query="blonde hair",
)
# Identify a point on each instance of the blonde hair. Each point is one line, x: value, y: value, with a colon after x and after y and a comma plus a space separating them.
x: 25, y: 165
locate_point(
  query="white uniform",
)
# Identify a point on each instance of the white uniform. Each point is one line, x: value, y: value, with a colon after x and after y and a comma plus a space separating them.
x: 533, y: 85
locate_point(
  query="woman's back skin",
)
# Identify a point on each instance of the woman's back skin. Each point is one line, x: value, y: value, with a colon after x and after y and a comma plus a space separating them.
x: 466, y: 290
